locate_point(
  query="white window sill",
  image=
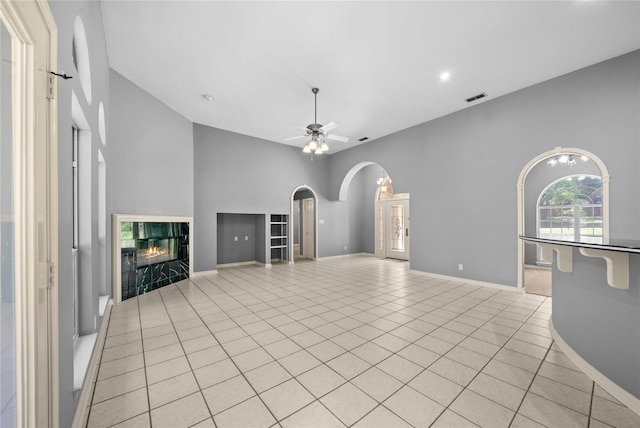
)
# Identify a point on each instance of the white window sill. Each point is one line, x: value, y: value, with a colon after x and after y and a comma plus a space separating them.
x: 102, y: 304
x: 82, y: 350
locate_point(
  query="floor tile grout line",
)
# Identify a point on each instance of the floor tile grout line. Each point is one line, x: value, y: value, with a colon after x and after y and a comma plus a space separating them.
x: 144, y: 362
x: 228, y: 356
x: 593, y: 389
x: 95, y: 384
x: 162, y: 299
x: 124, y: 393
x: 533, y: 379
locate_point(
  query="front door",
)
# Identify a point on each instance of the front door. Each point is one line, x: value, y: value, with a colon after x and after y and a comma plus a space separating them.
x: 392, y: 229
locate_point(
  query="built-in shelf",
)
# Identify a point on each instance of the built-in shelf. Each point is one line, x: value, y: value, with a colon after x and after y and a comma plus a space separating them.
x: 614, y: 251
x: 279, y: 235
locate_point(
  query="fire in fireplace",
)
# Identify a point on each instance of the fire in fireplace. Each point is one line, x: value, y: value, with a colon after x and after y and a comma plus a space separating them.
x: 153, y: 255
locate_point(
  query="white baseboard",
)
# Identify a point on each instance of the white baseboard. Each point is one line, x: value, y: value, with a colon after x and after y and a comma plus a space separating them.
x: 467, y: 281
x: 539, y: 267
x: 235, y: 264
x: 205, y: 272
x: 607, y: 384
x: 340, y: 256
x: 81, y: 416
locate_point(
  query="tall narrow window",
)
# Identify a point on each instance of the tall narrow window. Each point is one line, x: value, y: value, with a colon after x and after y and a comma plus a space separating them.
x: 75, y: 238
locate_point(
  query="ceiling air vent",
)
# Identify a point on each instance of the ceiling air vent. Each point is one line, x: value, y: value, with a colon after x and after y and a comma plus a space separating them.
x: 476, y: 97
x: 363, y: 139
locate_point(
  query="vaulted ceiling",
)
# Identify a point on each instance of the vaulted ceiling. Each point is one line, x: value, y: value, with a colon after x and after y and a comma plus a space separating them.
x: 377, y: 64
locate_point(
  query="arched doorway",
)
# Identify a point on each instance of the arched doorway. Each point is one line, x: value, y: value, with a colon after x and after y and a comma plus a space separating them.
x: 303, y: 224
x: 556, y: 153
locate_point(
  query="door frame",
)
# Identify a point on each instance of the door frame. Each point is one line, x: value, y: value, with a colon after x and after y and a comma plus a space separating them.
x: 386, y: 203
x: 35, y: 140
x: 315, y: 229
x: 304, y: 222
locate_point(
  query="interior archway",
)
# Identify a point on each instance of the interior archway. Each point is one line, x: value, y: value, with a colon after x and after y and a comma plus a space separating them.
x: 300, y: 192
x: 520, y: 188
x: 346, y: 181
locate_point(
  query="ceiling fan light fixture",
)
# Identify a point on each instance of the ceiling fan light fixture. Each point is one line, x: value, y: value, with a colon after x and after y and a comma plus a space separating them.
x: 317, y: 133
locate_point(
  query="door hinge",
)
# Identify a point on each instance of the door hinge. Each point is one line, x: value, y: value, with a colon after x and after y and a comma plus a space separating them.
x: 51, y: 275
x: 52, y: 87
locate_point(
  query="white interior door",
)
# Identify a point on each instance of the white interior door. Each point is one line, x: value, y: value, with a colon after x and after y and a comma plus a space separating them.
x: 308, y: 230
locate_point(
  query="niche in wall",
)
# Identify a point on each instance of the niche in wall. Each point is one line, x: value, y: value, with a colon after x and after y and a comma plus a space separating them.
x: 241, y: 238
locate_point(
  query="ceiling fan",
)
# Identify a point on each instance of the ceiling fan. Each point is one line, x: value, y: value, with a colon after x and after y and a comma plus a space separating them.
x: 317, y: 133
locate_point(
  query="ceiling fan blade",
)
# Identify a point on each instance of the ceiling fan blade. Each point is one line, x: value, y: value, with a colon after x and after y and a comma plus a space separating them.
x: 337, y: 138
x: 329, y: 126
x: 295, y: 138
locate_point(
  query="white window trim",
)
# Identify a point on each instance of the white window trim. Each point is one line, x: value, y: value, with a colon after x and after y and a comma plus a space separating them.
x: 604, y: 173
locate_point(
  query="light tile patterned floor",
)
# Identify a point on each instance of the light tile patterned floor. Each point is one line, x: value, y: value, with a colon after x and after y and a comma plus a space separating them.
x: 351, y: 341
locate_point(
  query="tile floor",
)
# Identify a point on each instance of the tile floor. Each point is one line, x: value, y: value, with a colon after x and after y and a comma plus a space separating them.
x: 340, y: 342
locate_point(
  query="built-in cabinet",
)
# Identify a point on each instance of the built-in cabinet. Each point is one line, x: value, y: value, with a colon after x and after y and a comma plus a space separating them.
x: 279, y: 229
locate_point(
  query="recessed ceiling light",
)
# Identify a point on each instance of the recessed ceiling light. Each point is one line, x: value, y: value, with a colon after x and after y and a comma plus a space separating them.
x: 445, y: 76
x: 207, y: 97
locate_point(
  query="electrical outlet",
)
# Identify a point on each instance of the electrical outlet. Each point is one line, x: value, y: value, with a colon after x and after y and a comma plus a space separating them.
x: 235, y: 238
x: 460, y: 266
x: 345, y: 248
x: 246, y: 238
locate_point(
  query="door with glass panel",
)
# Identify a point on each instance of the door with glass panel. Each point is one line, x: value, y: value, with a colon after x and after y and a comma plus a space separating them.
x: 28, y: 216
x: 392, y: 229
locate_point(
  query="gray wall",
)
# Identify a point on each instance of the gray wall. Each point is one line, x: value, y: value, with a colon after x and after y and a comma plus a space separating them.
x: 541, y: 176
x: 599, y: 322
x: 150, y: 170
x: 64, y: 14
x: 235, y: 173
x: 361, y: 205
x: 370, y: 175
x: 462, y: 169
x: 261, y: 238
x: 240, y: 226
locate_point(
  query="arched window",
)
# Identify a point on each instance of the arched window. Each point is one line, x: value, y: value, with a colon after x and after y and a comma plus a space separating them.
x: 571, y: 209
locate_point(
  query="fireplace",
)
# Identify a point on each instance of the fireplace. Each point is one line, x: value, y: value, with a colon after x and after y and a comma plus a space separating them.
x: 149, y: 253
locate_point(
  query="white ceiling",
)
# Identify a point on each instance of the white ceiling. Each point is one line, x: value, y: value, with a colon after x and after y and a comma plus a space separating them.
x: 377, y: 64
